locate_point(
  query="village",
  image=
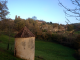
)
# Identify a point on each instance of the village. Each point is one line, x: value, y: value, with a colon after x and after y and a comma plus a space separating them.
x: 32, y: 33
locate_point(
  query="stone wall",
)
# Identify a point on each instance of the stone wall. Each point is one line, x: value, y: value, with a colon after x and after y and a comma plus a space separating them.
x: 25, y: 48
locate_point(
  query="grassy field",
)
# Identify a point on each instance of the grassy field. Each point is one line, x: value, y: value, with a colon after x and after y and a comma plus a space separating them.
x: 43, y: 50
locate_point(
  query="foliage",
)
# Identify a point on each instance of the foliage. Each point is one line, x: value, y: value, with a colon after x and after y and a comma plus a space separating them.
x: 5, y: 24
x: 55, y: 25
x: 70, y: 27
x: 19, y: 23
x: 50, y: 22
x: 77, y: 54
x: 36, y: 29
x: 77, y: 32
x: 3, y: 10
x: 44, y: 30
x: 77, y: 42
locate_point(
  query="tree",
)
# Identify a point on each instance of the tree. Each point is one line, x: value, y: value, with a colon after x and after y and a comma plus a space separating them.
x: 70, y: 27
x: 4, y: 24
x: 77, y: 42
x: 27, y: 23
x: 74, y: 11
x: 55, y: 25
x: 3, y: 13
x: 50, y: 22
x: 19, y: 24
x: 3, y: 10
x: 59, y: 26
x: 10, y: 28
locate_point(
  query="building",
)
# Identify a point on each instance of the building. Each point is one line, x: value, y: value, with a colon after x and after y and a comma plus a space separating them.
x: 40, y: 22
x: 25, y: 44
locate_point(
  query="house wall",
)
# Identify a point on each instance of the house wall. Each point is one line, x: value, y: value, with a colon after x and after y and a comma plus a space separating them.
x: 25, y: 48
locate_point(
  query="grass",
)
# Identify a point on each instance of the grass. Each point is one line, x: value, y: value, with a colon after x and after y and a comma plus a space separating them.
x: 53, y: 51
x: 4, y: 53
x: 77, y: 32
x: 43, y: 50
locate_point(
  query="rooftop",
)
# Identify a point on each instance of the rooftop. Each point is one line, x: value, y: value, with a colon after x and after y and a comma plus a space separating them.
x: 25, y: 32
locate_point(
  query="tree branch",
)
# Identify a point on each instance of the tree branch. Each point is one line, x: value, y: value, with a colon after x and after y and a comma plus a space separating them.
x: 74, y: 11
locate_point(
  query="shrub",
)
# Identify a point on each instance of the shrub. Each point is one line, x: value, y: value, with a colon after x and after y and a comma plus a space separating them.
x: 77, y: 54
x: 77, y: 42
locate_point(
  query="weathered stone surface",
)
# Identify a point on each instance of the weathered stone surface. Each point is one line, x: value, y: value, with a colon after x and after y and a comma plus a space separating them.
x: 25, y: 48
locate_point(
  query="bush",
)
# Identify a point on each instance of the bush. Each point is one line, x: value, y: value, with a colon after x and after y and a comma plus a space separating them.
x: 77, y: 54
x: 77, y: 42
x: 44, y: 30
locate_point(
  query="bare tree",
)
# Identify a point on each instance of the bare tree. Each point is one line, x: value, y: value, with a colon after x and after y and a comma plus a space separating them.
x: 75, y: 11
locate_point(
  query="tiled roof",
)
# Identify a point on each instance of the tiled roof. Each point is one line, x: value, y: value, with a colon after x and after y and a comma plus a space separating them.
x: 25, y: 32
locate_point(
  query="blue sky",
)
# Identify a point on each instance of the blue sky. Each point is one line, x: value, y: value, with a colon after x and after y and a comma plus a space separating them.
x: 47, y: 10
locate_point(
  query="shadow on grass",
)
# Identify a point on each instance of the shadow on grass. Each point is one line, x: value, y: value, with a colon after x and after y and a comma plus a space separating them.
x: 76, y: 56
x: 39, y: 58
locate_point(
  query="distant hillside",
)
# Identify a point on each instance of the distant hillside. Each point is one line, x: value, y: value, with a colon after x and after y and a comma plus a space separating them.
x: 76, y: 26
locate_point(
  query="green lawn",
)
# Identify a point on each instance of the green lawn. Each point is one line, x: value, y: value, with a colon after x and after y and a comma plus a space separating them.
x: 43, y: 50
x: 53, y: 51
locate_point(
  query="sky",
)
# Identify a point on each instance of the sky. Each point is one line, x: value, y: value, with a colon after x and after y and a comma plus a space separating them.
x: 47, y: 10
